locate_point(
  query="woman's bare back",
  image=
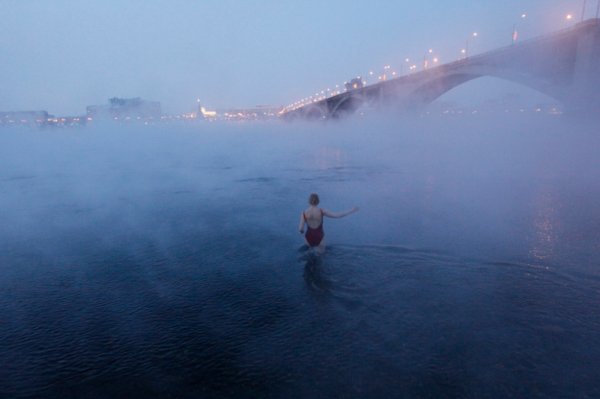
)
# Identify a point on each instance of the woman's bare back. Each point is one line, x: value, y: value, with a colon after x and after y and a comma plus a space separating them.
x: 314, y: 217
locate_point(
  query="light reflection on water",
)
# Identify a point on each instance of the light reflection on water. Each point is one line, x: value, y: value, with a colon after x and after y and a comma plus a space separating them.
x: 544, y: 222
x: 169, y: 264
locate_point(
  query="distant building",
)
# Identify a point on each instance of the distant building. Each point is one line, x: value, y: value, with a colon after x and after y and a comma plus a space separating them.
x: 206, y: 114
x: 28, y: 118
x: 125, y: 109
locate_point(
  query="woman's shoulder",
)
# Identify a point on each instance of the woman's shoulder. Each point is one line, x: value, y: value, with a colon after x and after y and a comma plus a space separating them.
x: 313, y: 211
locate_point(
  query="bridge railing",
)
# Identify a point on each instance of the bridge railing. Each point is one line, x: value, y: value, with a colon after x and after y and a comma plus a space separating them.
x: 532, y: 41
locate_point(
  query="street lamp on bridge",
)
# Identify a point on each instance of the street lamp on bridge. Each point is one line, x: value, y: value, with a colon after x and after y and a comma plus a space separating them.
x: 426, y: 58
x: 515, y: 33
x: 473, y: 35
x: 386, y: 68
x: 406, y: 61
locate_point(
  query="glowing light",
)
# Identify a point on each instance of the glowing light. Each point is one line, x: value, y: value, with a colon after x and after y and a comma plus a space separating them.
x: 430, y: 50
x: 475, y: 34
x: 208, y: 114
x: 523, y: 15
x: 569, y: 17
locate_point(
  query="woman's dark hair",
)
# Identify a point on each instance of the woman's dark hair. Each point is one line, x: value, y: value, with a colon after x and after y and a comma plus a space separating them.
x: 313, y: 199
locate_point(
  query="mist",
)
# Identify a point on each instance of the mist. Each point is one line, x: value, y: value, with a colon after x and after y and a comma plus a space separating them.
x: 107, y: 227
x: 452, y: 178
x: 153, y: 173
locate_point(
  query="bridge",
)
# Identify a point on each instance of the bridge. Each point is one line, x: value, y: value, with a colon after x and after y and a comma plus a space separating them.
x: 564, y: 65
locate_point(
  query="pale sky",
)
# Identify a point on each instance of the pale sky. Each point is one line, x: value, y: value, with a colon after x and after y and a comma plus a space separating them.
x: 62, y: 55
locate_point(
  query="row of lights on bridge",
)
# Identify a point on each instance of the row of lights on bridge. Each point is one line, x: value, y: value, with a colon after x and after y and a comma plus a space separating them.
x: 429, y: 60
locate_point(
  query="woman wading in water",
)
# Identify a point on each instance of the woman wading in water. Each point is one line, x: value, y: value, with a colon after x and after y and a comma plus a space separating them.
x: 313, y: 218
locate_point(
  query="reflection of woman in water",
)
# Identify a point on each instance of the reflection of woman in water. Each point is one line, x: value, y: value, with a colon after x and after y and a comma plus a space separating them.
x: 313, y: 217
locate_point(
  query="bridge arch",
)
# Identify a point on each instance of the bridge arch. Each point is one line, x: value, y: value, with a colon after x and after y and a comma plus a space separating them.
x: 315, y: 111
x: 347, y: 104
x: 431, y: 90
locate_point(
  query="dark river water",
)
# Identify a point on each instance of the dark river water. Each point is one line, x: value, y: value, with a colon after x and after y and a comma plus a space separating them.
x: 165, y: 261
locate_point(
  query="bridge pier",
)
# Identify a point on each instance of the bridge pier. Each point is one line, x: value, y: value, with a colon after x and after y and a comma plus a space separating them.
x: 584, y: 94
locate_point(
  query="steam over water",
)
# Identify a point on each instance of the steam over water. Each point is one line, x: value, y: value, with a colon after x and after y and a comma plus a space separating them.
x: 166, y: 260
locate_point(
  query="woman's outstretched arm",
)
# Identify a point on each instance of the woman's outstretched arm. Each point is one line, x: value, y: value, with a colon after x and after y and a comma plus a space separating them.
x: 339, y: 214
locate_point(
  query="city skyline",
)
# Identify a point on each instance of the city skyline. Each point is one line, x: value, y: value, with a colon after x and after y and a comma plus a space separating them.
x: 62, y: 57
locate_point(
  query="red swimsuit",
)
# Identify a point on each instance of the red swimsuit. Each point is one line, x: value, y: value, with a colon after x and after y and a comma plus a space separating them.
x: 314, y: 236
